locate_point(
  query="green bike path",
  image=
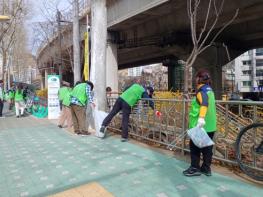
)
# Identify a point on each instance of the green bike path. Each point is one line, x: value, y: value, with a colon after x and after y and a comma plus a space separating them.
x: 39, y: 159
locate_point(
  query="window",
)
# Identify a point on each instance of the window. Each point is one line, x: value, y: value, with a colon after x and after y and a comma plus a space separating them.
x: 246, y: 83
x: 246, y: 72
x: 259, y: 73
x: 259, y: 62
x: 246, y: 62
x: 260, y: 82
x: 134, y: 72
x: 259, y: 52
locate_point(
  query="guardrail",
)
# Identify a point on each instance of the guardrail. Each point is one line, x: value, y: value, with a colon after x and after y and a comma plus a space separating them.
x: 170, y: 128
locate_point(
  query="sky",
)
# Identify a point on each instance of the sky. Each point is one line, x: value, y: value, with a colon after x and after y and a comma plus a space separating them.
x: 39, y: 11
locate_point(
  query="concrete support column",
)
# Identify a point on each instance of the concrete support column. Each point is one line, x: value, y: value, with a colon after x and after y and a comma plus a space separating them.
x: 98, y: 50
x: 216, y: 75
x: 76, y: 39
x: 171, y: 78
x: 112, y: 67
x: 175, y: 76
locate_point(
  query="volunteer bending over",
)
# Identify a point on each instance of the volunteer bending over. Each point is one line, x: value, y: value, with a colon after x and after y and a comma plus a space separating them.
x: 128, y: 99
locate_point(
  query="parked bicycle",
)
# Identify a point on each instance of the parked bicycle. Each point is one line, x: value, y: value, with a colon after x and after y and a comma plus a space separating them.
x: 249, y: 150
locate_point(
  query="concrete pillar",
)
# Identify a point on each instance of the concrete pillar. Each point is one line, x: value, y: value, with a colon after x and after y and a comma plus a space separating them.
x: 112, y: 67
x: 175, y: 74
x: 76, y: 40
x: 175, y: 77
x: 98, y: 50
x: 216, y: 75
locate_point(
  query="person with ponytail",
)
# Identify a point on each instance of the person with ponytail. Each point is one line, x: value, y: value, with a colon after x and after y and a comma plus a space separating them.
x: 203, y: 115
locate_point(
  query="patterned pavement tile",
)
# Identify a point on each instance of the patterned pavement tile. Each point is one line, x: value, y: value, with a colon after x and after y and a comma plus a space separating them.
x: 39, y: 159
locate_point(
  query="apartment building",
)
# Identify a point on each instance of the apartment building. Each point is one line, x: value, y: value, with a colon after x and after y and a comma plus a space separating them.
x: 249, y: 72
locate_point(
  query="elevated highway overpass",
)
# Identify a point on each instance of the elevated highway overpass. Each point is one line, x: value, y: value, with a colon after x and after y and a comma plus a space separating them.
x: 141, y: 32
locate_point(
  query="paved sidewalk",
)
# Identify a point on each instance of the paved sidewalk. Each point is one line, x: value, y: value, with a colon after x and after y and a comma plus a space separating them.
x: 39, y: 159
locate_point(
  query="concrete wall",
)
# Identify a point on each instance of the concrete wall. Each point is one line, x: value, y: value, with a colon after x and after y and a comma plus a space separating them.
x: 124, y: 9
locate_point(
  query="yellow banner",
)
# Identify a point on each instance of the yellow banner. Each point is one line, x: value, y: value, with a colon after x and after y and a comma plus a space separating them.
x: 86, y: 57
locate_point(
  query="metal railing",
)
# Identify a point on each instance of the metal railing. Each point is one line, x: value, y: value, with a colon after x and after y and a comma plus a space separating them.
x: 169, y: 129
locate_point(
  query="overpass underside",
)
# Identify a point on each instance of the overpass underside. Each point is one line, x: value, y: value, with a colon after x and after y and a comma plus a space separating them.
x: 164, y: 31
x: 146, y: 31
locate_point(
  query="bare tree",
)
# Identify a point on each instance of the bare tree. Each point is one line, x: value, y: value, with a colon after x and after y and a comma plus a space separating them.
x: 45, y: 32
x: 17, y: 11
x: 203, y: 35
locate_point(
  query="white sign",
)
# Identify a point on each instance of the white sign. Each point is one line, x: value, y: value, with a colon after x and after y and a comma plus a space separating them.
x: 53, y: 101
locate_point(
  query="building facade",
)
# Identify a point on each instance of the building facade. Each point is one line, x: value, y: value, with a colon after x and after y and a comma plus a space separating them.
x: 249, y: 71
x: 249, y: 74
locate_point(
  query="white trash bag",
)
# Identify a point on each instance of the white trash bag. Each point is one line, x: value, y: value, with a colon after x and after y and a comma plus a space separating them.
x: 99, y: 116
x: 199, y: 137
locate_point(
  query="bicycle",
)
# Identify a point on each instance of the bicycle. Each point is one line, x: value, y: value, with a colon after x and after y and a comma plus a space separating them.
x: 249, y: 150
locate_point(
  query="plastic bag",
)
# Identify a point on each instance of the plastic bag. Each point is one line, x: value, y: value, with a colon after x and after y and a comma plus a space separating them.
x: 199, y: 137
x: 99, y: 116
x: 90, y: 116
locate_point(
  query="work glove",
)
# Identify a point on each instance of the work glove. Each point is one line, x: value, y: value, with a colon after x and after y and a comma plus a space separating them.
x: 158, y: 114
x: 201, y: 122
x: 93, y: 105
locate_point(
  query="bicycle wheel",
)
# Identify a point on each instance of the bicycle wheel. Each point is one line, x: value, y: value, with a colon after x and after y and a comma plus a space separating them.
x: 248, y: 150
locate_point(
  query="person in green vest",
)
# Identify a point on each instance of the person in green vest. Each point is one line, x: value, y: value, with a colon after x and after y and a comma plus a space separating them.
x: 203, y: 115
x: 128, y: 99
x: 81, y: 96
x: 11, y: 97
x: 61, y: 92
x: 19, y: 101
x: 65, y: 114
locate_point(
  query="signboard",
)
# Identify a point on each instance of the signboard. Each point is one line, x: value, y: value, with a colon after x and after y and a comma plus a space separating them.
x: 53, y: 101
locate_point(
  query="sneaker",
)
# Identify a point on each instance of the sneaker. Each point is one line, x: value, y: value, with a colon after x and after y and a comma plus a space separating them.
x: 84, y: 133
x: 206, y: 172
x: 191, y: 171
x: 124, y: 139
x: 77, y: 132
x: 17, y: 116
x: 259, y: 149
x: 103, y: 130
x: 60, y: 126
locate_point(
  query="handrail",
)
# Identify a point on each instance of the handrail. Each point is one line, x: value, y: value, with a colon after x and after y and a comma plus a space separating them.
x: 167, y: 129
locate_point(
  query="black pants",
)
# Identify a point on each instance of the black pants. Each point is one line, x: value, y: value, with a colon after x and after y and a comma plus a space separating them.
x: 207, y: 154
x: 120, y: 105
x: 1, y: 107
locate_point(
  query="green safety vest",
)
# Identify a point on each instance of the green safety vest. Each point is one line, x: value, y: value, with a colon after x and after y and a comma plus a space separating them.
x: 79, y: 92
x: 210, y: 117
x: 133, y: 94
x: 62, y: 92
x: 67, y: 96
x: 6, y: 96
x: 11, y: 94
x: 19, y: 96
